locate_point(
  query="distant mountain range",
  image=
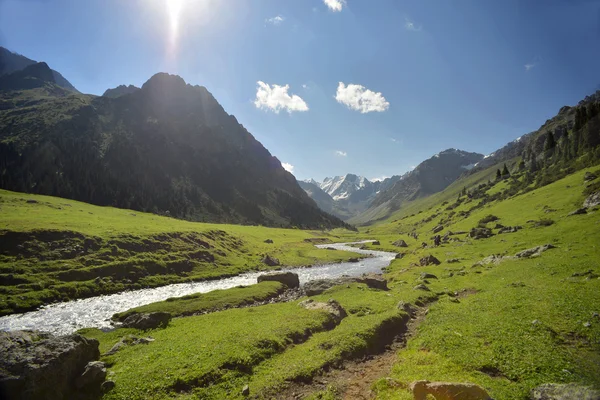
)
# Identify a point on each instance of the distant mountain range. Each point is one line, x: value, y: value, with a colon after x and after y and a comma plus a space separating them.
x: 167, y: 147
x: 11, y: 62
x: 351, y: 195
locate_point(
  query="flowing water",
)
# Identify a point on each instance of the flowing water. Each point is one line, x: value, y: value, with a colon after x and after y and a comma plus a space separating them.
x: 65, y: 318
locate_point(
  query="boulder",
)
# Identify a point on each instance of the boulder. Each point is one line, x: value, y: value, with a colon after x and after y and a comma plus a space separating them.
x: 332, y: 307
x: 36, y: 365
x: 129, y: 340
x: 373, y: 281
x: 400, y: 243
x: 534, y: 251
x: 289, y: 279
x: 375, y: 242
x: 579, y: 211
x: 93, y: 375
x: 270, y: 261
x: 146, y: 321
x: 429, y: 260
x: 407, y: 307
x: 438, y: 228
x: 589, y: 176
x: 420, y: 286
x: 453, y: 260
x: 353, y: 260
x: 269, y: 241
x: 246, y: 390
x: 448, y: 391
x: 592, y: 200
x: 480, y: 233
x: 107, y: 386
x: 570, y: 391
x: 425, y: 275
x: 510, y: 229
x: 399, y: 256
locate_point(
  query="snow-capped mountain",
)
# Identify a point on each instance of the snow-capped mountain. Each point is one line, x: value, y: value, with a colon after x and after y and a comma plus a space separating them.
x: 345, y: 196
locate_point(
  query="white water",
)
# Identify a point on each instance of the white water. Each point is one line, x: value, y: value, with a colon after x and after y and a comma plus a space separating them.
x: 65, y: 318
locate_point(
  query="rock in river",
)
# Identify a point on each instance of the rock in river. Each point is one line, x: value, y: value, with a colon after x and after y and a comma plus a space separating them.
x: 289, y: 279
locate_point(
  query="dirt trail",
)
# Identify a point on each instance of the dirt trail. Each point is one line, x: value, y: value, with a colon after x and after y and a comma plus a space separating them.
x: 353, y: 380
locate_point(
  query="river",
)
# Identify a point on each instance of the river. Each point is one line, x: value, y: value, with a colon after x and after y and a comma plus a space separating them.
x: 67, y: 317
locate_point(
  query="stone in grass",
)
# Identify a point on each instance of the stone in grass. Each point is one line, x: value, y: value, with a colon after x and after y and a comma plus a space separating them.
x: 269, y: 241
x: 289, y: 279
x: 589, y: 176
x: 534, y: 251
x: 429, y: 260
x: 426, y: 275
x: 438, y: 228
x: 400, y: 243
x: 570, y: 391
x: 270, y: 261
x: 146, y: 321
x: 107, y: 386
x: 93, y: 376
x: 579, y: 211
x: 332, y: 307
x: 592, y: 200
x: 420, y: 286
x: 246, y: 390
x: 407, y: 307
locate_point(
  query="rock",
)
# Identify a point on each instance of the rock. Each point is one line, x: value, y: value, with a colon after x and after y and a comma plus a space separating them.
x: 31, y: 201
x: 448, y: 391
x: 429, y: 260
x: 332, y: 307
x: 534, y: 251
x: 36, y: 365
x: 373, y: 281
x: 399, y: 256
x: 499, y: 226
x: 270, y: 261
x: 480, y: 233
x: 353, y: 260
x: 269, y: 241
x: 246, y: 390
x: 425, y: 275
x: 592, y: 200
x: 375, y: 243
x: 146, y: 321
x: 407, y: 307
x: 420, y: 286
x: 579, y: 211
x: 107, y: 386
x: 587, y: 324
x: 93, y: 376
x: 510, y: 229
x: 129, y: 340
x: 400, y: 243
x: 452, y: 260
x: 589, y: 176
x: 289, y: 279
x: 493, y: 259
x: 330, y: 248
x: 438, y: 228
x: 570, y: 391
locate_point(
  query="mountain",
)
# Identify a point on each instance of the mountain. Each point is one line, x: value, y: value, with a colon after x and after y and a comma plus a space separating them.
x: 120, y: 91
x: 431, y: 176
x: 168, y: 148
x: 345, y: 196
x: 11, y: 62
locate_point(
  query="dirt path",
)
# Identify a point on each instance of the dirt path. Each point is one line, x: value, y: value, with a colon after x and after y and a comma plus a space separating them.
x: 353, y: 380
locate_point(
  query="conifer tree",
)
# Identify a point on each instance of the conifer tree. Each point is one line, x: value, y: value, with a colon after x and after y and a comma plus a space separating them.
x: 498, y: 174
x: 505, y: 171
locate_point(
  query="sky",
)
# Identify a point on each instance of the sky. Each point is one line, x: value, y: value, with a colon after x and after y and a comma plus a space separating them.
x: 332, y: 87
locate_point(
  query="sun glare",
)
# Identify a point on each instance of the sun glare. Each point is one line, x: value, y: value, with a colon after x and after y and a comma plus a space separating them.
x: 174, y: 9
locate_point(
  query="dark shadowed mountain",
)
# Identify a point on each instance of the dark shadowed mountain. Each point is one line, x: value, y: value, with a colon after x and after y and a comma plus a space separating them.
x: 167, y: 148
x: 120, y: 91
x: 11, y: 62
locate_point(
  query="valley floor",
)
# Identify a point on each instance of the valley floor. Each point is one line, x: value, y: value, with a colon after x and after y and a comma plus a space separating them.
x: 483, y: 315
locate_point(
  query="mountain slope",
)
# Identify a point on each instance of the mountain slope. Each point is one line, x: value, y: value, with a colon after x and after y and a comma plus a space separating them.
x: 120, y: 91
x: 11, y: 62
x: 167, y: 148
x: 429, y: 177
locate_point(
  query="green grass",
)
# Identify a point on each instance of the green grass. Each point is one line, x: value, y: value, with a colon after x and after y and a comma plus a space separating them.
x: 212, y: 301
x: 53, y: 249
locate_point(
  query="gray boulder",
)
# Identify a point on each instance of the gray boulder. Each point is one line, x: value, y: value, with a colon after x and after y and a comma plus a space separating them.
x: 579, y: 211
x: 592, y: 200
x: 534, y: 251
x: 289, y: 279
x: 429, y: 260
x: 570, y: 391
x: 589, y: 176
x: 269, y: 241
x: 36, y: 365
x: 400, y: 243
x: 270, y: 261
x: 438, y: 228
x: 480, y: 233
x: 146, y: 321
x: 332, y: 307
x: 93, y: 375
x: 510, y: 229
x: 425, y: 275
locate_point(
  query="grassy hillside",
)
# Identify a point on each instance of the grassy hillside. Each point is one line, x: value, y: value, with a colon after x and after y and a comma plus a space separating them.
x: 54, y: 249
x: 508, y: 324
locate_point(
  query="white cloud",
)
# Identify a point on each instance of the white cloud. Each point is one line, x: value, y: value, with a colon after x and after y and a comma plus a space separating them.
x: 276, y: 98
x: 529, y: 66
x: 359, y: 98
x: 394, y: 140
x: 335, y: 5
x: 413, y: 167
x: 277, y: 20
x: 341, y: 153
x: 288, y: 167
x: 381, y: 178
x: 304, y: 86
x: 410, y: 26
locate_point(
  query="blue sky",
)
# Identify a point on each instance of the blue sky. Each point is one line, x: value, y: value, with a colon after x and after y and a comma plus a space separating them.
x: 418, y: 76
